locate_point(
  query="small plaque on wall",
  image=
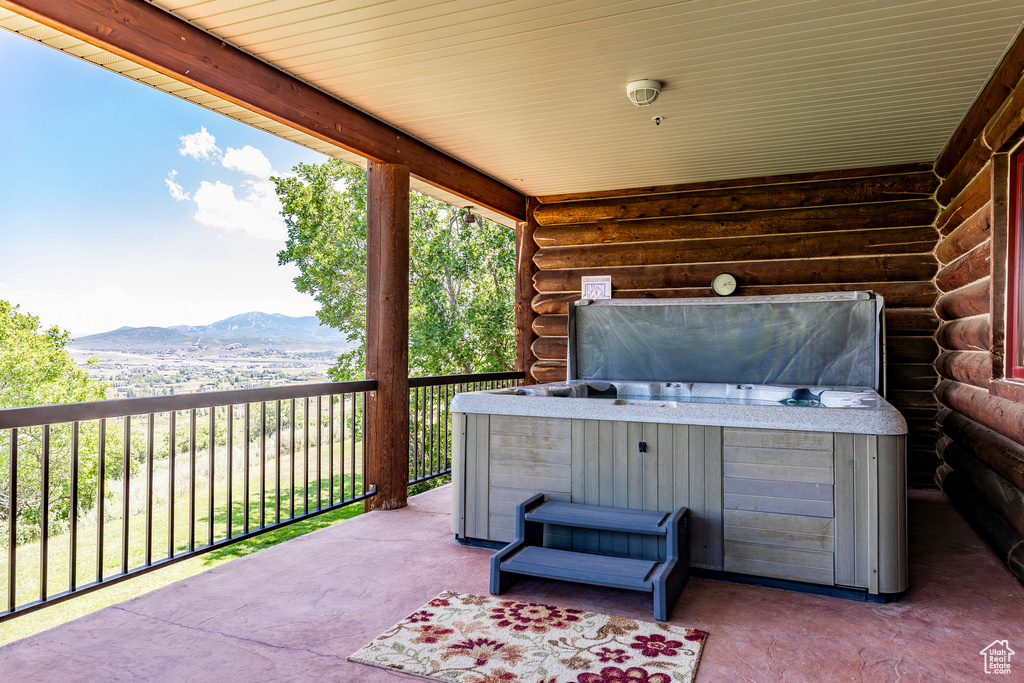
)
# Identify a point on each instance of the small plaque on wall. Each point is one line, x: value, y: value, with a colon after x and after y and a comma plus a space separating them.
x: 597, y: 287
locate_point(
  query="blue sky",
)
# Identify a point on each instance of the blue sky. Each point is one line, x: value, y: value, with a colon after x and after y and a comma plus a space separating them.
x: 121, y: 205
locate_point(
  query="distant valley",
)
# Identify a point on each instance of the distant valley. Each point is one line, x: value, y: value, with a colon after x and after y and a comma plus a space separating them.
x: 249, y: 331
x: 241, y: 352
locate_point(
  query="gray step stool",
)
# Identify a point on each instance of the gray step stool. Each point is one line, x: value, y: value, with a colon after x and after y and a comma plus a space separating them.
x: 527, y: 556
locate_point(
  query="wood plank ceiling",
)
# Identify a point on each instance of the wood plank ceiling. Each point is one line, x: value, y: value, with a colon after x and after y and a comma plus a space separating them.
x: 533, y: 92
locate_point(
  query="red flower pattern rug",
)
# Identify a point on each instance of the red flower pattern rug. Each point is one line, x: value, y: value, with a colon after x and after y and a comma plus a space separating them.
x: 477, y: 639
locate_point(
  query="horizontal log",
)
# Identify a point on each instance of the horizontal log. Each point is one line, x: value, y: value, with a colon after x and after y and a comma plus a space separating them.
x: 1007, y: 544
x: 998, y: 414
x: 911, y: 349
x: 921, y: 469
x: 966, y: 334
x: 549, y: 371
x: 916, y: 377
x: 972, y: 299
x: 910, y: 320
x: 966, y: 236
x: 977, y: 193
x: 744, y: 224
x: 999, y: 493
x: 920, y: 400
x: 922, y: 427
x: 551, y: 348
x: 897, y: 294
x: 551, y: 325
x: 969, y: 367
x: 754, y: 198
x: 1013, y: 391
x: 971, y: 267
x: 1001, y: 454
x: 904, y: 268
x: 1007, y: 121
x: 883, y: 241
x: 965, y: 171
x: 988, y: 102
x: 921, y: 167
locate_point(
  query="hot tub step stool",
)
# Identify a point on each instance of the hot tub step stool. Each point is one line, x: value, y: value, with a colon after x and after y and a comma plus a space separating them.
x: 527, y: 556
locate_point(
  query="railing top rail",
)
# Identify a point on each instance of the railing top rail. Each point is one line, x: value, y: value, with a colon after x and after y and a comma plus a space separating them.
x: 441, y: 380
x: 34, y: 416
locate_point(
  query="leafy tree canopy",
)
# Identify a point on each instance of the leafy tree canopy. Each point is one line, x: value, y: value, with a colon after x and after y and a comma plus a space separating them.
x: 461, y: 309
x: 35, y: 368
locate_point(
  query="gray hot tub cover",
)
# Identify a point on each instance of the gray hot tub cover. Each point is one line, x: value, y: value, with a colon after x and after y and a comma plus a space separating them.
x: 804, y: 339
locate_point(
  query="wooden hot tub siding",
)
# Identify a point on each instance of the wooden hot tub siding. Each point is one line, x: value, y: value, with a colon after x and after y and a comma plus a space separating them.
x: 816, y: 232
x: 815, y: 507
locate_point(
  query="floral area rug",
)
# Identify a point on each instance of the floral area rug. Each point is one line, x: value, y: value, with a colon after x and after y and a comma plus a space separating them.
x: 476, y: 639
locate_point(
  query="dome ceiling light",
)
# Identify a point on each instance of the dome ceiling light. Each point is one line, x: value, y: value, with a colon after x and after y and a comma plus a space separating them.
x: 643, y: 93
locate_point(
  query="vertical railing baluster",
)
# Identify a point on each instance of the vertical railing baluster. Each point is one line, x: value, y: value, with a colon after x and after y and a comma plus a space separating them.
x: 12, y: 524
x: 192, y: 481
x: 415, y: 433
x: 447, y: 427
x: 149, y: 490
x: 291, y: 465
x: 172, y: 446
x: 73, y: 550
x: 362, y: 438
x: 330, y: 447
x: 245, y: 481
x: 263, y: 464
x: 44, y: 519
x: 319, y: 440
x: 344, y: 438
x: 277, y: 466
x: 126, y: 469
x: 210, y: 474
x: 101, y: 498
x: 433, y: 428
x: 305, y: 455
x: 230, y: 470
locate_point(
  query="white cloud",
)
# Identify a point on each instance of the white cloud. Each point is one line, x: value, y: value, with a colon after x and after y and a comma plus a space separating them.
x: 257, y: 214
x: 176, y: 190
x: 248, y: 160
x: 200, y: 146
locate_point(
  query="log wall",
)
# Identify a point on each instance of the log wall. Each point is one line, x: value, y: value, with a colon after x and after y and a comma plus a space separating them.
x: 981, y: 420
x: 831, y: 231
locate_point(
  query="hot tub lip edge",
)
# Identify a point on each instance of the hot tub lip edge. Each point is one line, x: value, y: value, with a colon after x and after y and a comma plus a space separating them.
x: 885, y: 421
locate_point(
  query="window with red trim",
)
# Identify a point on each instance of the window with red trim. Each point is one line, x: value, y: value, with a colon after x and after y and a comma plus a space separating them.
x: 1015, y: 271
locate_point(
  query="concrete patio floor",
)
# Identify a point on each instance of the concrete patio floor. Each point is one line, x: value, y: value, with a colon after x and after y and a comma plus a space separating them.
x: 295, y: 611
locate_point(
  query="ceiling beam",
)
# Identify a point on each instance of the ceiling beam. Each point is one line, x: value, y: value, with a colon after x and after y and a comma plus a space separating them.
x: 147, y: 35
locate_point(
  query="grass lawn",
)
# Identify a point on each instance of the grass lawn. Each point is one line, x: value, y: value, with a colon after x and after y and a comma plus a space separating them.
x: 87, y: 558
x: 60, y: 613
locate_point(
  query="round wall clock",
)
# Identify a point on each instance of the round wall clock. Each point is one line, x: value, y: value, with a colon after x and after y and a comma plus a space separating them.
x: 724, y: 284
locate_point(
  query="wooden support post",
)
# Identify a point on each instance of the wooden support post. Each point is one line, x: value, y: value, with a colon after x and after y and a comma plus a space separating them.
x: 387, y: 333
x: 526, y: 248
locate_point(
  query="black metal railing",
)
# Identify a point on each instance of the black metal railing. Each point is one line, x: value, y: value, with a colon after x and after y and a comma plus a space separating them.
x: 430, y: 446
x: 94, y: 493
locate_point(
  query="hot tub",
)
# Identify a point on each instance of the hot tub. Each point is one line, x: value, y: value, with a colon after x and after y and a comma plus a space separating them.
x: 798, y: 483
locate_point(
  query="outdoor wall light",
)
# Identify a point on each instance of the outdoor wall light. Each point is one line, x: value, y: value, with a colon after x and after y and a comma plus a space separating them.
x: 468, y: 218
x: 643, y: 93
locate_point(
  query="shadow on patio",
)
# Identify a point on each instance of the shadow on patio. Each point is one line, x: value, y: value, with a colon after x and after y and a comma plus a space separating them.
x: 297, y: 610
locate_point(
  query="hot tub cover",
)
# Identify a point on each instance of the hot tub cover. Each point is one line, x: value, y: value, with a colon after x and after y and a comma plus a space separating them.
x: 816, y: 339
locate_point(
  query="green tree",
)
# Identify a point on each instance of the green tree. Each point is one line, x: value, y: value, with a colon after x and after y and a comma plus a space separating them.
x: 461, y: 309
x: 36, y: 369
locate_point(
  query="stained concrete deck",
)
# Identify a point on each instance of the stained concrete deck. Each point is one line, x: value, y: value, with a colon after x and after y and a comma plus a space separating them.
x: 295, y: 611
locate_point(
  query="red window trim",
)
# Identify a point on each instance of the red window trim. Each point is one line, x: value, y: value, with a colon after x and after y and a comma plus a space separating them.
x: 1015, y: 270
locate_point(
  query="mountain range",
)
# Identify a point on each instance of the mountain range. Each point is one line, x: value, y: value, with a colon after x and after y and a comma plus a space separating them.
x: 250, y: 330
